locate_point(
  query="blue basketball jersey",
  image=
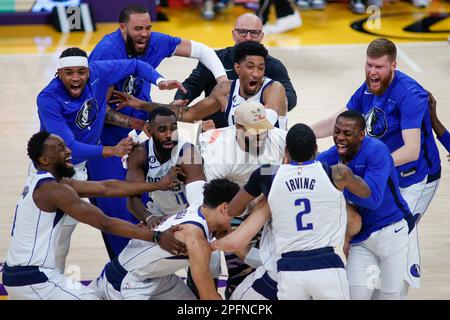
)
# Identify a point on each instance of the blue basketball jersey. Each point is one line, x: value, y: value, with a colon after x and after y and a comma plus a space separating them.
x: 373, y: 162
x: 404, y: 105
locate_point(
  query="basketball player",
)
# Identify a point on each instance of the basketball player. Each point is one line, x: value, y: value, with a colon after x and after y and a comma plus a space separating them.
x: 378, y: 253
x: 235, y: 152
x: 144, y: 271
x: 251, y: 86
x: 48, y: 198
x: 308, y: 219
x: 396, y: 110
x: 152, y: 159
x: 134, y: 39
x: 73, y: 106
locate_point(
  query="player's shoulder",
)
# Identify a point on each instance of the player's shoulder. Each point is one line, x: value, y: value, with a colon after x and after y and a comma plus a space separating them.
x: 374, y: 148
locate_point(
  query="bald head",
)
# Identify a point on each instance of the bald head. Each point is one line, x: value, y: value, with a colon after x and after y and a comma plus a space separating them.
x: 248, y: 26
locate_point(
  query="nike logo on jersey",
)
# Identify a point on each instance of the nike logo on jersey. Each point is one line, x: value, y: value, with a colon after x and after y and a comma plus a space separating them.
x: 367, y: 92
x: 228, y: 70
x: 399, y: 229
x: 93, y: 82
x: 154, y: 167
x: 67, y: 102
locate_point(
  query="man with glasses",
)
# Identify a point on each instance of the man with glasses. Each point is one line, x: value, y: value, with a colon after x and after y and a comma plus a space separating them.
x: 247, y: 27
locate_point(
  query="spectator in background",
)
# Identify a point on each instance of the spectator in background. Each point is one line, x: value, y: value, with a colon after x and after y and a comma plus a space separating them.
x: 287, y: 17
x: 247, y: 27
x: 311, y: 4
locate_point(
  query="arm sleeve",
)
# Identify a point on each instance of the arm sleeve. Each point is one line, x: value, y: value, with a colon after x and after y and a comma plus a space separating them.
x: 208, y: 57
x: 277, y: 71
x: 196, y: 83
x: 445, y: 140
x: 376, y: 176
x: 115, y: 70
x: 50, y: 114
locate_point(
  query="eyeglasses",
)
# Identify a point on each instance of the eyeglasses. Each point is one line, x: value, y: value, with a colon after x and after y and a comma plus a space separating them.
x: 244, y: 32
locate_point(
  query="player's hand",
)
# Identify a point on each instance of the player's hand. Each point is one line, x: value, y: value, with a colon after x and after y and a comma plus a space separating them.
x: 208, y: 125
x: 432, y: 104
x: 170, y: 85
x: 448, y: 157
x: 221, y: 79
x: 153, y: 221
x: 170, y: 180
x: 341, y: 173
x: 168, y: 242
x: 179, y: 103
x: 124, y: 147
x: 123, y: 100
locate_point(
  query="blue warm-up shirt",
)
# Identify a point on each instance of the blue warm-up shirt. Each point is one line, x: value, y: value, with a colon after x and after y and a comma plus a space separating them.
x: 373, y: 162
x: 404, y: 105
x: 79, y: 121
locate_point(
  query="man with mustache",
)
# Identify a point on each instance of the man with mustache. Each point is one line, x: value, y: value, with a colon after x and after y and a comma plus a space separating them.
x: 135, y: 39
x: 396, y: 110
x: 48, y: 199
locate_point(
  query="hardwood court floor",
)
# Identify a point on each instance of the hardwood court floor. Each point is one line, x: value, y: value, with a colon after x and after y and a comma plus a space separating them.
x: 325, y: 73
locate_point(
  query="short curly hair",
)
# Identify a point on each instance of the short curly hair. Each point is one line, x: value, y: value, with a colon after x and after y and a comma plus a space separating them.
x: 36, y: 146
x: 301, y: 142
x: 218, y: 191
x: 249, y: 48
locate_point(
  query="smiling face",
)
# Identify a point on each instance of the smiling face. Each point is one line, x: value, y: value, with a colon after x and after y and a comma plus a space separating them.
x: 57, y: 157
x: 347, y: 137
x: 379, y: 73
x: 251, y: 74
x: 136, y: 32
x: 74, y: 79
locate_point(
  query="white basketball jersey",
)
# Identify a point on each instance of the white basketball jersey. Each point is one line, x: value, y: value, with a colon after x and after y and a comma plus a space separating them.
x: 224, y: 158
x: 147, y: 260
x: 308, y: 212
x: 267, y: 251
x: 235, y: 99
x: 166, y: 202
x: 35, y: 233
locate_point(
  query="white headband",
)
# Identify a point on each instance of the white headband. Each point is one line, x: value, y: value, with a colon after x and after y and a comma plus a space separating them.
x: 73, y: 61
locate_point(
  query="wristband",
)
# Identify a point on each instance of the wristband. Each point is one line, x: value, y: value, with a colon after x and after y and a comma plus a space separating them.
x: 156, y: 236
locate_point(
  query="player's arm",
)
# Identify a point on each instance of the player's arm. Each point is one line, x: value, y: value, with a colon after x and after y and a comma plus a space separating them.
x: 439, y: 129
x: 411, y: 148
x: 275, y: 99
x: 343, y: 177
x: 242, y: 235
x: 325, y: 127
x: 196, y: 83
x: 194, y: 177
x: 135, y: 173
x: 207, y: 106
x: 118, y: 188
x: 206, y: 55
x: 115, y: 118
x: 277, y: 71
x: 199, y: 258
x: 354, y: 224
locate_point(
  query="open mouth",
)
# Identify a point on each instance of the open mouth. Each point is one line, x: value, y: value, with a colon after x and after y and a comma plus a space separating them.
x: 68, y: 162
x: 375, y: 82
x: 75, y: 90
x: 342, y: 148
x: 168, y: 144
x: 252, y: 85
x: 141, y: 44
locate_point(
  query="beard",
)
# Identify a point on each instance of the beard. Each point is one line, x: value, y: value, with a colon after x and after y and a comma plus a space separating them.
x: 161, y: 151
x: 62, y: 171
x: 384, y: 84
x: 132, y: 48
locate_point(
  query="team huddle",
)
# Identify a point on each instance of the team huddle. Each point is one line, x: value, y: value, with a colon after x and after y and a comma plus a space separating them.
x: 248, y: 186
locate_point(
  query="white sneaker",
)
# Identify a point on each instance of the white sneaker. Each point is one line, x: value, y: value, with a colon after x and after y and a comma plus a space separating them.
x: 420, y: 3
x: 208, y: 10
x: 378, y: 3
x: 356, y: 6
x: 284, y: 24
x: 303, y: 4
x: 318, y: 4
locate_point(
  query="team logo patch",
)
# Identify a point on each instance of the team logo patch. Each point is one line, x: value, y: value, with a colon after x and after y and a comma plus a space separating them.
x: 415, y: 270
x: 376, y: 123
x: 132, y: 85
x: 87, y: 114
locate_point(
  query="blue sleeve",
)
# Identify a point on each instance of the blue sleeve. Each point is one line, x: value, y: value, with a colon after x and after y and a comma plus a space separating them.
x: 412, y: 111
x: 50, y: 115
x: 115, y: 70
x: 355, y: 102
x: 328, y: 156
x: 166, y: 44
x: 445, y: 140
x: 260, y: 180
x: 376, y: 176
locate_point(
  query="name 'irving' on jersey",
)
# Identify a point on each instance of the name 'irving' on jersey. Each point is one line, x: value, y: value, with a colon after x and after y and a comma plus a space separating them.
x: 300, y: 183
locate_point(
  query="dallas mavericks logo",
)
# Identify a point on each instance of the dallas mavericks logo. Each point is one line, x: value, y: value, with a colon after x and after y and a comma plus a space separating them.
x: 376, y: 123
x: 87, y: 114
x: 415, y: 270
x: 132, y: 85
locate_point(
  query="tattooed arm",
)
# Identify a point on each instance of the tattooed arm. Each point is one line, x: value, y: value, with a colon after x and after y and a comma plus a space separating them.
x: 119, y: 119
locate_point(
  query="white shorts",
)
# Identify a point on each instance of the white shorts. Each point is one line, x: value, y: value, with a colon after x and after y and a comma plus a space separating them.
x: 418, y: 196
x: 379, y: 261
x: 327, y: 281
x: 57, y: 287
x: 256, y: 286
x: 129, y: 287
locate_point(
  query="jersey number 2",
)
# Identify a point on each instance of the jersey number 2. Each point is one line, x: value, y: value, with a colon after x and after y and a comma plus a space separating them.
x: 306, y: 210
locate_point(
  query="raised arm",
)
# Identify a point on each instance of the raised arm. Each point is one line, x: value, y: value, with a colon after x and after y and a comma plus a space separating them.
x: 324, y: 128
x: 275, y: 98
